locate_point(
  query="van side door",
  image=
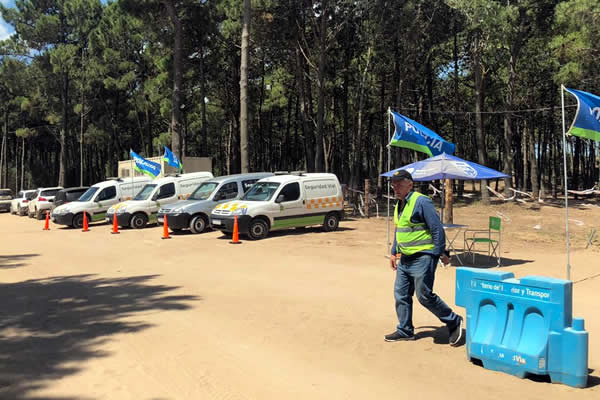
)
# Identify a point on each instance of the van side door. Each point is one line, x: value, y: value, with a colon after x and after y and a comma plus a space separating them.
x: 291, y: 207
x: 105, y: 199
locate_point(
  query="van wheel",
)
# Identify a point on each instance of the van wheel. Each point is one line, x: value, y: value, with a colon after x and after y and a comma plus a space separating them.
x: 138, y: 221
x: 78, y: 221
x: 258, y: 229
x: 198, y: 224
x: 331, y: 222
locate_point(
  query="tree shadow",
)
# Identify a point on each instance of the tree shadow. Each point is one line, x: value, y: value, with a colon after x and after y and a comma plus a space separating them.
x: 11, y: 261
x: 51, y: 326
x: 484, y: 261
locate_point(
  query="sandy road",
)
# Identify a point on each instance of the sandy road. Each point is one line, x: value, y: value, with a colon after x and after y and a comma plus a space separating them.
x: 295, y: 316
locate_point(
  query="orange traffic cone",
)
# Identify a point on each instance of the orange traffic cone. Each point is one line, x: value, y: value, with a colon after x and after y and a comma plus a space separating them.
x: 166, y: 229
x: 47, y: 224
x: 235, y: 238
x: 115, y: 225
x: 85, y: 223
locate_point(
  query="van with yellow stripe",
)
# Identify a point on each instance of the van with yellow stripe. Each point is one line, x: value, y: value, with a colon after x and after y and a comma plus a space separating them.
x: 281, y: 202
x: 143, y: 208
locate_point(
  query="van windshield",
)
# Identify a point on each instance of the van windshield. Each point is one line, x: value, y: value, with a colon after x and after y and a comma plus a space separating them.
x: 145, y: 193
x: 203, y: 191
x: 87, y: 196
x: 261, y: 191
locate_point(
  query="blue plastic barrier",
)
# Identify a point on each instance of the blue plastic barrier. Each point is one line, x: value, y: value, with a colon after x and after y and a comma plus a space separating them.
x: 523, y: 326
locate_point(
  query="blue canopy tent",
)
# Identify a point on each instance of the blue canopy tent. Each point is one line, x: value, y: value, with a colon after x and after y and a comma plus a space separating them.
x: 445, y: 166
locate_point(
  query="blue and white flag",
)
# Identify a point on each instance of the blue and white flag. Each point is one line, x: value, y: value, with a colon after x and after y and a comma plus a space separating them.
x: 412, y: 135
x: 172, y: 159
x: 587, y: 119
x: 144, y: 166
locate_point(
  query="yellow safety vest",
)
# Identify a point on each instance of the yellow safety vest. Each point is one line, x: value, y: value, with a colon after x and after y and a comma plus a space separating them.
x: 411, y: 238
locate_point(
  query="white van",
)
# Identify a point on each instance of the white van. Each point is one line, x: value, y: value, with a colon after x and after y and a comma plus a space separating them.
x: 144, y: 207
x: 281, y: 202
x: 97, y: 199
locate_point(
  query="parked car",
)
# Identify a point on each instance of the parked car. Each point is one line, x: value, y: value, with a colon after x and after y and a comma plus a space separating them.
x: 6, y: 196
x: 97, y: 200
x: 283, y: 201
x: 23, y: 203
x: 68, y: 195
x: 143, y: 208
x: 15, y: 202
x: 42, y: 202
x: 194, y: 212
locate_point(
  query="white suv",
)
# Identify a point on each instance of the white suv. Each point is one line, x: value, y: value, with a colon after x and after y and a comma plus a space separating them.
x: 19, y: 204
x: 42, y: 202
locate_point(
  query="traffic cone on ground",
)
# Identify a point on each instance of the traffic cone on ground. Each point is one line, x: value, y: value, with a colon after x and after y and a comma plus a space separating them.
x: 85, y: 223
x: 47, y: 224
x: 235, y: 239
x: 115, y: 225
x: 166, y: 229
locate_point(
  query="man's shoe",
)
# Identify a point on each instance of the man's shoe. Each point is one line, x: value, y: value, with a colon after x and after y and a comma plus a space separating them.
x: 456, y: 333
x: 398, y: 337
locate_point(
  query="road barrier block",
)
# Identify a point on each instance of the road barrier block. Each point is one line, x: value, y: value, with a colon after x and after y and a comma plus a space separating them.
x: 523, y: 326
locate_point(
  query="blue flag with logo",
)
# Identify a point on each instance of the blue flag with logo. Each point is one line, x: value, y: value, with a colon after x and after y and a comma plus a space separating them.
x: 144, y: 166
x: 587, y: 119
x: 412, y: 135
x: 172, y: 159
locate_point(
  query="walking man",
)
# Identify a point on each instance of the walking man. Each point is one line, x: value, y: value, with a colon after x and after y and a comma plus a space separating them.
x: 419, y: 243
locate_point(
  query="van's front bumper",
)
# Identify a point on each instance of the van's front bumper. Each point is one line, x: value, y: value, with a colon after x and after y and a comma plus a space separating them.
x: 225, y: 224
x: 5, y: 205
x: 63, y: 219
x: 122, y: 219
x: 175, y: 221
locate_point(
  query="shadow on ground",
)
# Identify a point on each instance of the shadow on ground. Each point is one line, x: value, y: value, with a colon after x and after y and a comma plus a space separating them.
x: 15, y: 260
x: 49, y: 327
x: 484, y: 261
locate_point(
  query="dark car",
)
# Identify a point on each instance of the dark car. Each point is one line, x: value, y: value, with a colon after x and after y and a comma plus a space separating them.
x: 6, y: 197
x: 68, y: 195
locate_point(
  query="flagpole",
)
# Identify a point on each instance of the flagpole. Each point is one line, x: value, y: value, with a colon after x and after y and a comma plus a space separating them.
x: 562, y: 99
x: 388, y: 179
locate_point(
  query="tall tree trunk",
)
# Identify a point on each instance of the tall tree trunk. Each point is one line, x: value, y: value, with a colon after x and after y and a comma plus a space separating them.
x: 2, y: 157
x: 244, y: 89
x: 176, y: 133
x: 63, y: 131
x: 23, y: 164
x: 535, y: 188
x: 203, y: 131
x: 321, y: 79
x: 481, y: 148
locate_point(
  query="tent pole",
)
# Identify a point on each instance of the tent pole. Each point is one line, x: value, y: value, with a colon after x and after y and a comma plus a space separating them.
x: 388, y: 179
x: 562, y: 99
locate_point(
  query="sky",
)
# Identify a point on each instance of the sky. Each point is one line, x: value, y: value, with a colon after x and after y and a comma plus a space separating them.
x: 5, y: 29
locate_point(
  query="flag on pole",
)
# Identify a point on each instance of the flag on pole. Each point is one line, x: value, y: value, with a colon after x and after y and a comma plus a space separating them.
x: 412, y: 135
x: 587, y: 118
x: 172, y: 159
x: 144, y: 166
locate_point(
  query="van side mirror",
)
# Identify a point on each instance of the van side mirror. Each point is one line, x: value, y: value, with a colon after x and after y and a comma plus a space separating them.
x: 155, y: 196
x: 280, y: 199
x: 217, y: 197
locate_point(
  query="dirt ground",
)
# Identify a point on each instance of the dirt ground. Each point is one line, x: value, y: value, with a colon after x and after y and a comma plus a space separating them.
x: 299, y: 315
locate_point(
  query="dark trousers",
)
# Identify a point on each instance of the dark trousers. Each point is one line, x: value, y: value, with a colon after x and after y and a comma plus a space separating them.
x: 416, y: 274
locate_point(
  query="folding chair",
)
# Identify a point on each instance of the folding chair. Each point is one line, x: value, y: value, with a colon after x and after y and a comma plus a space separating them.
x: 492, y: 236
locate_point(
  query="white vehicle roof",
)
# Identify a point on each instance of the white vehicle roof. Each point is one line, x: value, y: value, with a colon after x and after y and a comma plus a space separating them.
x: 175, y: 178
x: 293, y: 177
x: 121, y: 181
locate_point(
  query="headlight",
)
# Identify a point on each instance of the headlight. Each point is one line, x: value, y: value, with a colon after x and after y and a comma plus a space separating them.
x: 176, y: 210
x: 121, y: 210
x: 237, y: 211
